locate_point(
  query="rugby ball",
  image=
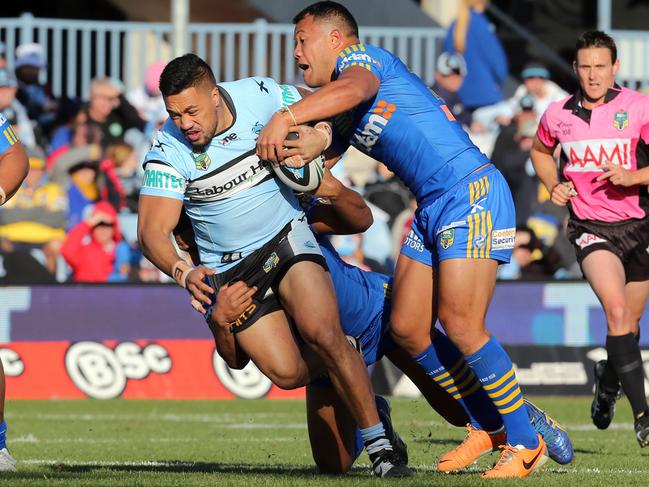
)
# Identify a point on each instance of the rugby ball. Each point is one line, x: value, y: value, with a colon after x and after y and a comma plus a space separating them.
x: 305, y: 179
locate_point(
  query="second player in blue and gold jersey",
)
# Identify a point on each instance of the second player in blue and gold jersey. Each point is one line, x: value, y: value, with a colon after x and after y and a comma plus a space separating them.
x: 464, y: 225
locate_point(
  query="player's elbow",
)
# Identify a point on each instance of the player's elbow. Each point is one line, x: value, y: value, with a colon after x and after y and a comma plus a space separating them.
x: 365, y: 220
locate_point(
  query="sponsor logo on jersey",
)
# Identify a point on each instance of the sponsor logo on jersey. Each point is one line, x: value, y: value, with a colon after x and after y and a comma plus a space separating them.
x: 228, y: 138
x: 288, y: 95
x: 310, y: 244
x: 564, y: 128
x: 262, y: 86
x: 230, y: 257
x: 621, y: 120
x: 447, y: 238
x: 159, y: 176
x: 503, y: 239
x: 589, y: 155
x: 256, y: 128
x: 357, y: 56
x: 381, y: 115
x: 413, y: 241
x: 202, y: 160
x: 271, y: 262
x: 587, y: 239
x: 247, y: 173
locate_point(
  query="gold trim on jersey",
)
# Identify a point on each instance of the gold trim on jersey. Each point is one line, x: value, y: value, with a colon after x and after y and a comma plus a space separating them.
x: 10, y: 135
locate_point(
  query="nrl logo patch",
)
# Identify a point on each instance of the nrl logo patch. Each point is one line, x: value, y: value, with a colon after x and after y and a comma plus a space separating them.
x: 621, y: 120
x: 201, y: 160
x: 447, y: 238
x: 271, y: 262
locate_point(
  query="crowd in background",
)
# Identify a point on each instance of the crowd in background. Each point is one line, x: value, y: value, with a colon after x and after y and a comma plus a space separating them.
x: 74, y: 219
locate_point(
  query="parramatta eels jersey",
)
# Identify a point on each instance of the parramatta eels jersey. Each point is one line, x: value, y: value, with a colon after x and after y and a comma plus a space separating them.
x: 232, y: 198
x: 7, y: 135
x: 406, y: 126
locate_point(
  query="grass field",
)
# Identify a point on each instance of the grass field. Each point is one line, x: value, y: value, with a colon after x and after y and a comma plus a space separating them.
x: 244, y: 443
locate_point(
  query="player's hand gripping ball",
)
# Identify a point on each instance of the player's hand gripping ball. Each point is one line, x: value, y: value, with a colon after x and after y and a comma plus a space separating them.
x: 305, y: 179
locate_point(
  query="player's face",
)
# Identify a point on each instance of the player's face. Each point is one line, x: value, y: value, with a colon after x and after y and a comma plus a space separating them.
x: 316, y: 49
x: 596, y: 71
x: 194, y: 112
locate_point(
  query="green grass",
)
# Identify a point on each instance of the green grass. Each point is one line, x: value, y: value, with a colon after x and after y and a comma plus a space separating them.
x: 246, y: 443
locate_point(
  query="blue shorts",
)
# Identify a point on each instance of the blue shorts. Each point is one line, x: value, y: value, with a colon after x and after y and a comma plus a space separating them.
x: 473, y: 220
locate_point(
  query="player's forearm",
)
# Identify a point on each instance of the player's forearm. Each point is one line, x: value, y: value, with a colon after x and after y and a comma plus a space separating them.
x: 545, y: 168
x: 14, y: 166
x: 641, y: 176
x: 156, y: 246
x: 354, y: 216
x: 330, y: 100
x: 226, y: 346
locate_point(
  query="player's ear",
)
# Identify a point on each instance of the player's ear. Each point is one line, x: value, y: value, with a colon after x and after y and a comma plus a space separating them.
x: 574, y: 67
x: 335, y: 39
x: 616, y: 66
x: 216, y: 96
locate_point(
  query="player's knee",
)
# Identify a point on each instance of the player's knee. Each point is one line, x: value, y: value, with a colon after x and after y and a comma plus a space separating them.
x: 286, y: 378
x: 617, y: 316
x: 326, y: 341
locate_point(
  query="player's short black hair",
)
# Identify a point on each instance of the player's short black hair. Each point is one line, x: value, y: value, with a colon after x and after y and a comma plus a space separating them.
x: 596, y: 38
x: 184, y: 72
x: 330, y: 11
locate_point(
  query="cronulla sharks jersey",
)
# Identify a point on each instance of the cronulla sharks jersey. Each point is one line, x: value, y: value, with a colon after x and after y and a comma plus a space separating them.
x: 232, y: 198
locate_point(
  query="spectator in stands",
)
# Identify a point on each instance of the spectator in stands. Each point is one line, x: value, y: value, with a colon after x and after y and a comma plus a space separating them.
x: 511, y: 155
x: 109, y: 110
x: 87, y: 178
x: 472, y: 36
x: 3, y: 56
x: 536, y: 86
x: 530, y: 258
x: 387, y: 192
x: 147, y: 98
x: 30, y: 60
x: 449, y: 76
x: 94, y: 248
x: 34, y: 219
x: 124, y: 161
x: 13, y: 110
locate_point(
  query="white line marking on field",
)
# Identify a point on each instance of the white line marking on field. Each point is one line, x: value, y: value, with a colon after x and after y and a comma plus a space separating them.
x: 420, y: 468
x: 33, y: 439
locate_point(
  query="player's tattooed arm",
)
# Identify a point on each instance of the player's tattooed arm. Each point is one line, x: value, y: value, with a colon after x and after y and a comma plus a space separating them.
x: 347, y: 212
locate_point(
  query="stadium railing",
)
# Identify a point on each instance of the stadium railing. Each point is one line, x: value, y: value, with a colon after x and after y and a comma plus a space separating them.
x: 78, y: 50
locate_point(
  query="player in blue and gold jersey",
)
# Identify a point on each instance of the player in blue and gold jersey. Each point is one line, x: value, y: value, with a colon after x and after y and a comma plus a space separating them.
x: 463, y: 226
x: 14, y: 166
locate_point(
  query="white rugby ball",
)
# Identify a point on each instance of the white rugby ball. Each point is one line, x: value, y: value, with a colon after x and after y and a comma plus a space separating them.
x: 305, y: 179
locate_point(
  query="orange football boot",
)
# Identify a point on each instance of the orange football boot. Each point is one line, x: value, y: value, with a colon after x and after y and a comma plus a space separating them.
x: 476, y: 444
x: 518, y: 463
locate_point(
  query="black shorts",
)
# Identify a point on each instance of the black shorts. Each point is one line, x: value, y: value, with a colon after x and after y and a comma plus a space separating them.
x: 628, y: 239
x: 266, y: 267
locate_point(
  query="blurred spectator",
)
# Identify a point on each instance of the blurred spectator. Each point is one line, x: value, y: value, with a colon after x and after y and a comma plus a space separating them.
x: 449, y: 76
x: 13, y: 110
x: 3, y: 56
x: 79, y: 134
x: 530, y: 258
x: 30, y: 59
x: 94, y: 248
x: 34, y: 219
x: 147, y: 98
x: 128, y: 170
x: 388, y: 193
x: 536, y: 88
x: 472, y: 36
x: 109, y: 110
x: 87, y: 178
x: 350, y: 249
x: 511, y: 155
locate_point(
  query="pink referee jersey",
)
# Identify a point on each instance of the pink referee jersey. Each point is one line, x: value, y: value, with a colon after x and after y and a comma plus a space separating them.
x: 616, y: 132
